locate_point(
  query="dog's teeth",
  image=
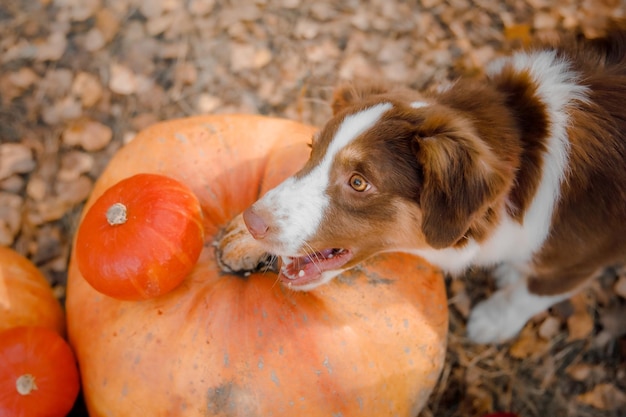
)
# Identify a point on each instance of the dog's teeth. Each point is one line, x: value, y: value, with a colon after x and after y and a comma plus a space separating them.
x: 330, y: 256
x: 301, y: 273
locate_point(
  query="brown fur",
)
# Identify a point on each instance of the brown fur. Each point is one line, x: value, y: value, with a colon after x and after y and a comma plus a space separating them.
x: 443, y: 172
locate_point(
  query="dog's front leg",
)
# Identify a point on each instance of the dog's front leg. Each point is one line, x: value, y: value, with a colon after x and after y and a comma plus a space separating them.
x: 505, y: 313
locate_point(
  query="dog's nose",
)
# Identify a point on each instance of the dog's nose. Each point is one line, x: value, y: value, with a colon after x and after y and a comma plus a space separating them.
x: 255, y: 223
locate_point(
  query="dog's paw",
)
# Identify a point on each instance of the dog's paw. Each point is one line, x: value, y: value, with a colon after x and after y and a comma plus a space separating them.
x: 494, y: 320
x: 237, y: 251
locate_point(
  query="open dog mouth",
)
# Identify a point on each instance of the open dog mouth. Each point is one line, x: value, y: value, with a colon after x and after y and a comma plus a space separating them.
x: 303, y: 270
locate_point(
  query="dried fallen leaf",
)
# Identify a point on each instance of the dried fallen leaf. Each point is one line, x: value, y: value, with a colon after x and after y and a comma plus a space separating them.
x: 579, y: 371
x: 549, y: 328
x: 518, y: 32
x: 208, y: 103
x: 88, y: 88
x: 613, y: 322
x: 480, y: 398
x: 10, y: 217
x: 620, y: 286
x: 528, y: 344
x: 580, y: 324
x: 74, y: 191
x: 73, y: 164
x: 15, y: 158
x: 94, y: 40
x: 108, y: 24
x: 23, y: 78
x: 604, y: 396
x: 122, y: 80
x: 88, y: 134
x: 53, y: 48
x: 460, y: 299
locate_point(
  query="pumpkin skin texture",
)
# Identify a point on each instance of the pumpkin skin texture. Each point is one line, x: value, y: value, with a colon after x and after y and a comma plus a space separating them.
x: 38, y: 373
x: 26, y: 298
x: 369, y: 343
x: 141, y: 238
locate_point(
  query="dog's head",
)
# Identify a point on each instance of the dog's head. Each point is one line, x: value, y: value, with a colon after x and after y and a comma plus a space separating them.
x: 389, y: 172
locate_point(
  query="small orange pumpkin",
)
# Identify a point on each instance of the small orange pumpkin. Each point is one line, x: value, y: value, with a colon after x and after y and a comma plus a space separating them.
x: 141, y: 238
x: 26, y: 298
x: 370, y: 343
x: 38, y: 373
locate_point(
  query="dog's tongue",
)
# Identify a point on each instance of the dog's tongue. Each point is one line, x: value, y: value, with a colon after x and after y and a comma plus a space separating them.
x: 306, y: 269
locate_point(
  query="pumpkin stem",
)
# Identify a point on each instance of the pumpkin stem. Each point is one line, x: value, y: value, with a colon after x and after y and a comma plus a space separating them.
x: 116, y: 214
x: 25, y: 384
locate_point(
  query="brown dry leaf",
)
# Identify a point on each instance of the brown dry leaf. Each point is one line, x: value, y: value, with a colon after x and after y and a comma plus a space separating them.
x: 37, y: 188
x: 94, y: 40
x: 549, y: 328
x: 47, y: 211
x: 123, y: 80
x: 262, y: 57
x: 207, y: 103
x: 518, y: 32
x: 88, y: 88
x: 15, y: 158
x: 245, y: 57
x: 53, y: 48
x: 81, y: 10
x: 10, y: 217
x: 580, y: 324
x: 604, y: 396
x: 620, y: 286
x: 107, y: 23
x: 528, y: 344
x: 460, y: 299
x: 579, y: 371
x: 545, y: 21
x: 88, y: 134
x: 74, y: 164
x: 73, y: 192
x: 480, y: 399
x: 201, y: 7
x: 23, y: 78
x: 587, y: 373
x: 613, y: 322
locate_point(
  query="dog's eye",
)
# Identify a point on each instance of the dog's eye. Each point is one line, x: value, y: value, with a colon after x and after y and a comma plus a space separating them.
x: 358, y: 183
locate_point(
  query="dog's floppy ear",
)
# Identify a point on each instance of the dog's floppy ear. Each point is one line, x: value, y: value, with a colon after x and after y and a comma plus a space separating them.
x: 351, y: 93
x: 460, y: 176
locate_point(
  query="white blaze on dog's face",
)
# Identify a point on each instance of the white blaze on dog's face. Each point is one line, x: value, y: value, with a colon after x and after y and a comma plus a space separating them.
x: 314, y: 219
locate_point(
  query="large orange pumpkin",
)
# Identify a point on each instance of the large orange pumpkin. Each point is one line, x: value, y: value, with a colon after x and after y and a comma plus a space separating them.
x: 26, y: 298
x: 370, y: 343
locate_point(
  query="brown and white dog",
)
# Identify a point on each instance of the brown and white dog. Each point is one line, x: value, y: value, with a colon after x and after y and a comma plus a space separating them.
x: 524, y: 170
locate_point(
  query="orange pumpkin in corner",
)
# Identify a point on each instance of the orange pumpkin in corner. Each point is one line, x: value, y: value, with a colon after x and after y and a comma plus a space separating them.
x: 38, y: 373
x: 370, y: 343
x: 26, y: 298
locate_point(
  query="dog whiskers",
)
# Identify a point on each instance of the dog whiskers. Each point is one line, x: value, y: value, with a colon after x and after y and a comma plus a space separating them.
x: 313, y: 256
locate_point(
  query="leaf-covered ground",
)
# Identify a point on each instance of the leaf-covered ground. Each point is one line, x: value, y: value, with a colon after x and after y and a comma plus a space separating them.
x: 79, y: 78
